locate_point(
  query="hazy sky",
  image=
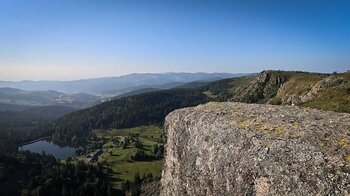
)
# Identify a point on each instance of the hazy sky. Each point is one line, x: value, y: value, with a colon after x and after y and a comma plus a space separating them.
x: 71, y: 39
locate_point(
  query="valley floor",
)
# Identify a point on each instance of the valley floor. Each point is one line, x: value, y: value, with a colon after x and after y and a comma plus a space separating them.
x: 120, y: 148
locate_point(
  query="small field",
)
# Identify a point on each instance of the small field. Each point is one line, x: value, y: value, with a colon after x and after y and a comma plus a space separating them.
x: 119, y: 157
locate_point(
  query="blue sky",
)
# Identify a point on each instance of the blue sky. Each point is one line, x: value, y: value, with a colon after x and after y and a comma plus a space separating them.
x: 72, y: 39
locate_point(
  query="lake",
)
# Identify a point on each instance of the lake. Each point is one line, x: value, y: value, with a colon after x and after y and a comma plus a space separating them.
x: 51, y: 148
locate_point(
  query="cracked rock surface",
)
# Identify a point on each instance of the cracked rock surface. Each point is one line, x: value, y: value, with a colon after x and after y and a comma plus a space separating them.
x: 251, y: 149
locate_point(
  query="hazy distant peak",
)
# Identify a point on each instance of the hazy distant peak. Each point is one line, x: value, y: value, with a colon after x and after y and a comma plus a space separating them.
x: 131, y: 81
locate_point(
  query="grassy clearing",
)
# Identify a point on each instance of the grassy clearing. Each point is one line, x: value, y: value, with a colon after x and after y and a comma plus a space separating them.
x: 128, y: 170
x: 119, y: 159
x: 151, y: 132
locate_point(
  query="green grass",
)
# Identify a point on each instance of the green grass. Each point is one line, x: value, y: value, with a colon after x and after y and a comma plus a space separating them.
x: 118, y: 155
x: 128, y: 170
x: 151, y: 132
x: 299, y: 84
x: 120, y: 161
x: 335, y: 98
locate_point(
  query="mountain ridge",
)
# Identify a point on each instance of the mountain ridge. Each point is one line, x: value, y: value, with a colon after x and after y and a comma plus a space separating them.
x: 98, y: 85
x: 17, y: 97
x: 264, y: 88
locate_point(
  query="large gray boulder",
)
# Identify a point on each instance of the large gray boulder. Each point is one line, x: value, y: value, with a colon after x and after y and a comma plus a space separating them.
x: 251, y: 149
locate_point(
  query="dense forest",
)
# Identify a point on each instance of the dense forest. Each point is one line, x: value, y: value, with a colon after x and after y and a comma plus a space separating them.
x: 17, y: 127
x: 29, y: 174
x: 142, y: 109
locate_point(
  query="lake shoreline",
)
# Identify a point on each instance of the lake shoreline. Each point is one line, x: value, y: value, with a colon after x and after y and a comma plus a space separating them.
x: 33, y: 141
x: 46, y: 146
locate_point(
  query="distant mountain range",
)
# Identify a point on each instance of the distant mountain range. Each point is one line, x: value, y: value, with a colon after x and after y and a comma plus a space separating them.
x: 18, y: 96
x: 149, y: 106
x: 16, y: 100
x: 112, y: 86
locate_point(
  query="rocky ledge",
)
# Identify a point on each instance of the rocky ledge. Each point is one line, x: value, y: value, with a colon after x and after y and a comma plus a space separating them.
x: 251, y: 149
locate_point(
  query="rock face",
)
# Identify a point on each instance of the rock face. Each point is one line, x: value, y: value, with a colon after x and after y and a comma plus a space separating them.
x: 251, y: 149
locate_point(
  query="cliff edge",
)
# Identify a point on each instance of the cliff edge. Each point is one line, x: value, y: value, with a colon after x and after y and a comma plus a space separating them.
x: 252, y: 149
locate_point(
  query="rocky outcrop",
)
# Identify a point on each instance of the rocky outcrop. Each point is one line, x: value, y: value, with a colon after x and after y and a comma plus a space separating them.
x: 260, y: 89
x: 150, y: 189
x: 251, y: 149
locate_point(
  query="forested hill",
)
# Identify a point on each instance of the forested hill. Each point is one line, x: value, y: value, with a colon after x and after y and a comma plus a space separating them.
x: 12, y: 122
x: 18, y: 127
x: 322, y: 91
x: 142, y: 109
